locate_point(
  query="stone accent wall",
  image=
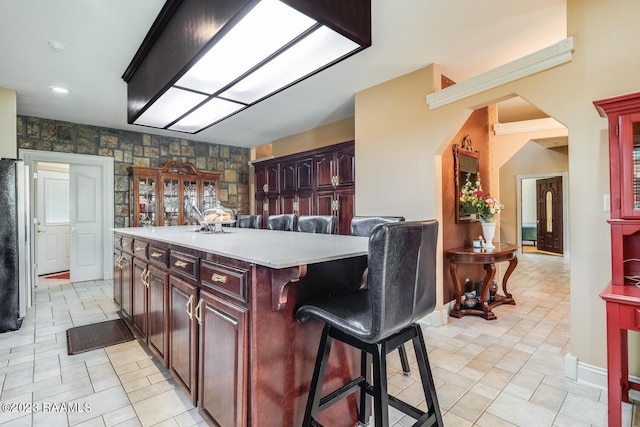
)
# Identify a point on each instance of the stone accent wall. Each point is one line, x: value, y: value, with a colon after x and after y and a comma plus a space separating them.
x: 141, y: 149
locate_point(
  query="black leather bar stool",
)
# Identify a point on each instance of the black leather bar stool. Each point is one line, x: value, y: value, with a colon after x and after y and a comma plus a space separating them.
x: 284, y: 222
x: 363, y: 226
x: 250, y: 221
x: 324, y: 224
x: 379, y: 319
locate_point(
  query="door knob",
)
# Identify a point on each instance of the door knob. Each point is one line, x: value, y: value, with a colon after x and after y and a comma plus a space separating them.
x: 41, y: 231
x: 72, y: 229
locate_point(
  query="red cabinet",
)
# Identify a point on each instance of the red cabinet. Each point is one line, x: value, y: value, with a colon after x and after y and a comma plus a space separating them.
x: 623, y: 113
x: 622, y: 302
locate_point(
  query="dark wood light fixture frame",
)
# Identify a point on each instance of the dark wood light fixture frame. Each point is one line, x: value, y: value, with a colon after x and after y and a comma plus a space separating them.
x: 185, y: 29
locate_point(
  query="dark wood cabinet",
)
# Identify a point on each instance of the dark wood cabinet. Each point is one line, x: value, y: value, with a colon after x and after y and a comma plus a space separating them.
x: 139, y: 297
x: 164, y: 196
x: 183, y: 334
x: 157, y: 320
x: 117, y: 277
x: 267, y: 177
x: 317, y: 182
x: 223, y: 368
x: 339, y: 203
x: 335, y: 168
x: 125, y: 279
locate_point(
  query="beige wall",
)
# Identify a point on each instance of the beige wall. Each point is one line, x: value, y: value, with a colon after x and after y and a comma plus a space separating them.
x: 333, y: 133
x: 531, y: 159
x: 399, y: 141
x: 8, y: 117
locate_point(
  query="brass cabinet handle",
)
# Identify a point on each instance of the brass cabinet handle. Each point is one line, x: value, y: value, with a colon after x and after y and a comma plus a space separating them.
x: 125, y: 244
x: 199, y: 312
x: 180, y: 264
x: 145, y: 278
x: 138, y: 248
x: 219, y: 278
x: 265, y: 188
x: 190, y: 307
x: 119, y: 262
x: 156, y: 254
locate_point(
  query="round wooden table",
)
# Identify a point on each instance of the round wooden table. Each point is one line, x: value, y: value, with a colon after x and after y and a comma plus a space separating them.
x: 488, y: 258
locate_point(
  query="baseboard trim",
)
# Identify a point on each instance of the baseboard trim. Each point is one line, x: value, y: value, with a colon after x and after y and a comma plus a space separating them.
x: 594, y: 376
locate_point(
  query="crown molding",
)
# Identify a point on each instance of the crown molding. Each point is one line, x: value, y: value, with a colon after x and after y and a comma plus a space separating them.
x: 535, y: 125
x: 533, y: 63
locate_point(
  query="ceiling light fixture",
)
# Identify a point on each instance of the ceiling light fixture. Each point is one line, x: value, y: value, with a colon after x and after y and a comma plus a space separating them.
x: 59, y: 89
x: 205, y: 60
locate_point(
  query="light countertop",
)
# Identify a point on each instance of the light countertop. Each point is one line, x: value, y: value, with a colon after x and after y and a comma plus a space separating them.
x: 270, y: 248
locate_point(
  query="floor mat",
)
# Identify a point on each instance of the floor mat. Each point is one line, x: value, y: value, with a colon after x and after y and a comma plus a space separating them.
x: 97, y: 335
x: 64, y: 275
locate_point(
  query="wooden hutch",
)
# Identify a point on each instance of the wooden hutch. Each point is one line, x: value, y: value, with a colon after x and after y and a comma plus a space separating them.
x: 165, y: 196
x: 622, y: 294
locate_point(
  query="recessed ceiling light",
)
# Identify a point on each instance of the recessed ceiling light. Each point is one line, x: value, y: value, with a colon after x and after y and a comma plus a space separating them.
x: 59, y: 89
x: 56, y: 46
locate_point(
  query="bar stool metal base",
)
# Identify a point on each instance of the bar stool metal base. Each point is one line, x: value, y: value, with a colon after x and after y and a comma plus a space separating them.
x: 377, y: 370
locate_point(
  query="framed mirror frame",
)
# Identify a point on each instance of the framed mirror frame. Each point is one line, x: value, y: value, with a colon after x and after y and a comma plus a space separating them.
x: 466, y: 161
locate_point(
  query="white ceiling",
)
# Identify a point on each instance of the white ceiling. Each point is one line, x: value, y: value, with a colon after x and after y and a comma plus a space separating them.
x: 466, y: 37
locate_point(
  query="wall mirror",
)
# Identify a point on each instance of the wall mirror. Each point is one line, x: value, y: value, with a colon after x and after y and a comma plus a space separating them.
x: 466, y: 165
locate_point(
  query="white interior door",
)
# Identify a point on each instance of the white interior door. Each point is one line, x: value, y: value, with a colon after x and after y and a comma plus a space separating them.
x: 53, y: 221
x: 85, y: 217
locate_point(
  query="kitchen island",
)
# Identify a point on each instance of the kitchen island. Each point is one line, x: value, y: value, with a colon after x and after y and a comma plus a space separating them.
x: 218, y: 310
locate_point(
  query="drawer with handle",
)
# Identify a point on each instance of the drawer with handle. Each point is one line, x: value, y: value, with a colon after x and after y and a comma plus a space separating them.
x: 184, y: 264
x: 224, y: 279
x: 127, y: 244
x: 140, y: 249
x: 158, y: 255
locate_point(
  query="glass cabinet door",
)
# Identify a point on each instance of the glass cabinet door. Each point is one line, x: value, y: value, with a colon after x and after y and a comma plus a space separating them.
x: 630, y: 144
x: 171, y: 202
x: 147, y: 201
x: 208, y: 195
x: 189, y: 196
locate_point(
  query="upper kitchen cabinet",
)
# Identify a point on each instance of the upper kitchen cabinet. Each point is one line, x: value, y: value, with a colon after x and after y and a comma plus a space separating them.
x: 166, y: 195
x: 335, y: 168
x: 308, y: 183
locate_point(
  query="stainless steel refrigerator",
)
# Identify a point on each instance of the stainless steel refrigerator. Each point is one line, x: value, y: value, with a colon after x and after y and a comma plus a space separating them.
x: 14, y: 256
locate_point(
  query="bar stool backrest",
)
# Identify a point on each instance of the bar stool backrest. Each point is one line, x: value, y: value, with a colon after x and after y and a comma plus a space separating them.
x: 284, y: 222
x: 250, y: 221
x: 402, y: 275
x: 363, y: 225
x: 324, y: 224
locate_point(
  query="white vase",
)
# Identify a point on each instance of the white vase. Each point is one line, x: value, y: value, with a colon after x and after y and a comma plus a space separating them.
x: 489, y: 232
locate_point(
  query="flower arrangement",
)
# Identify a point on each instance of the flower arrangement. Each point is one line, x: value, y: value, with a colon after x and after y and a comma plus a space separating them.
x: 473, y: 198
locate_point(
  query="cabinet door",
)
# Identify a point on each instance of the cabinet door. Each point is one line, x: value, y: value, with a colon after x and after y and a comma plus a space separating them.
x: 630, y: 173
x: 117, y: 277
x: 304, y: 174
x: 287, y: 203
x: 125, y: 308
x: 324, y: 203
x: 139, y: 297
x: 183, y: 334
x: 273, y: 175
x: 344, y: 169
x: 323, y: 169
x: 260, y: 179
x: 304, y: 203
x: 289, y: 177
x: 157, y: 327
x: 223, y: 361
x: 344, y: 207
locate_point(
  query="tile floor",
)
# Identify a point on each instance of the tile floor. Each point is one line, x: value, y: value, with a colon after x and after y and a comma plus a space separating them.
x: 506, y: 372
